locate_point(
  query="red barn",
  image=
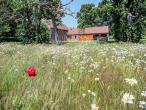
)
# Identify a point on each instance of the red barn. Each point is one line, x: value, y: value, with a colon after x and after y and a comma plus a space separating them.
x: 92, y: 33
x: 76, y: 34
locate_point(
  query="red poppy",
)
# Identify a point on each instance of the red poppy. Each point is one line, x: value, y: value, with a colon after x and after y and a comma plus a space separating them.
x: 31, y: 71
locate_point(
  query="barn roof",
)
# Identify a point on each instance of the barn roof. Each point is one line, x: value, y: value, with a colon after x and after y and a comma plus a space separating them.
x: 91, y: 30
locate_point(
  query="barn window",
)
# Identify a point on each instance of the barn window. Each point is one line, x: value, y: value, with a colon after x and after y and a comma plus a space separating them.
x: 104, y: 35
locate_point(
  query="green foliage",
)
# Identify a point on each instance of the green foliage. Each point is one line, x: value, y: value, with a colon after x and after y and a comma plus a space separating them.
x: 104, y: 14
x: 44, y: 35
x: 26, y: 28
x: 125, y: 28
x: 7, y: 23
x: 86, y: 16
x: 90, y: 15
x: 4, y: 27
x: 51, y: 9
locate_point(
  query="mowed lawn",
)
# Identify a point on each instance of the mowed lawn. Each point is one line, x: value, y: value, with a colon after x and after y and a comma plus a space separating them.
x: 73, y: 76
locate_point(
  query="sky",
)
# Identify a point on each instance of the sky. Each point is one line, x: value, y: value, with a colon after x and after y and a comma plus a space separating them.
x: 75, y: 7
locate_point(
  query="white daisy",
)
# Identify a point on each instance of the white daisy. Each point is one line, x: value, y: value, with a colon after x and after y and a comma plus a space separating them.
x: 142, y: 104
x: 89, y: 91
x: 84, y: 95
x: 128, y: 98
x: 96, y: 79
x: 131, y: 81
x: 94, y: 107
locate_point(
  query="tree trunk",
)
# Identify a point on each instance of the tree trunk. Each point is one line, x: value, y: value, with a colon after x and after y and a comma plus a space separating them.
x: 55, y: 31
x: 37, y: 26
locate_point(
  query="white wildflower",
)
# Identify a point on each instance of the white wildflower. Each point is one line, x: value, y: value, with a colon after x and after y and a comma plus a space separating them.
x: 66, y: 72
x: 84, y: 95
x: 128, y: 98
x: 113, y: 49
x: 142, y: 104
x: 95, y: 65
x: 89, y: 91
x: 131, y: 81
x: 90, y: 71
x: 69, y: 78
x: 93, y: 93
x: 94, y: 107
x: 143, y: 93
x: 96, y: 79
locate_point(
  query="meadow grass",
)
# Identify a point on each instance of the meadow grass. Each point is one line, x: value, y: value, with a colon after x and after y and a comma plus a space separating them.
x: 72, y: 76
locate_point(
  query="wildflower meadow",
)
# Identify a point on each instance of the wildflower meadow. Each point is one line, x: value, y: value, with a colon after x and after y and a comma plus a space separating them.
x: 83, y: 76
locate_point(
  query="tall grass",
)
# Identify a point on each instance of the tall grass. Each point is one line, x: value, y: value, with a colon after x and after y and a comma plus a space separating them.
x: 71, y: 77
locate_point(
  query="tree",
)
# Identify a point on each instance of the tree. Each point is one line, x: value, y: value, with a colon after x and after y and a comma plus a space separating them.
x: 86, y: 16
x: 104, y: 10
x: 7, y: 19
x: 52, y: 9
x: 128, y: 19
x: 89, y: 15
x: 29, y: 21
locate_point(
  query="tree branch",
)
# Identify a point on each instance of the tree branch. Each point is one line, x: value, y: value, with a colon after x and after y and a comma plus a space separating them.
x: 68, y: 3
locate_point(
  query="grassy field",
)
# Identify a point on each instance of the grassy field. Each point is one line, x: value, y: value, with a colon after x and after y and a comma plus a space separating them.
x: 74, y: 76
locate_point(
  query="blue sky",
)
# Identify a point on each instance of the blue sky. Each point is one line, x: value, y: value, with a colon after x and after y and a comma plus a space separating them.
x: 75, y: 7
